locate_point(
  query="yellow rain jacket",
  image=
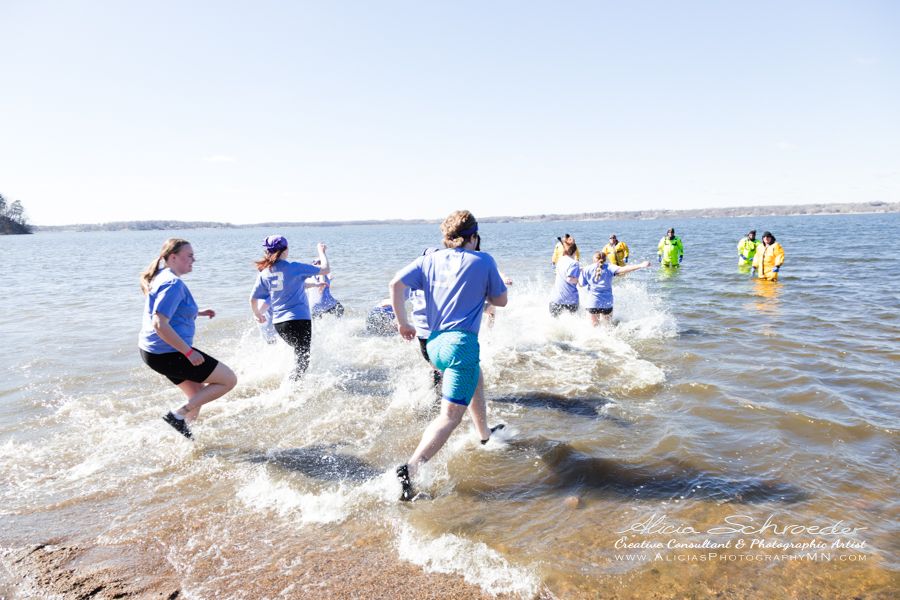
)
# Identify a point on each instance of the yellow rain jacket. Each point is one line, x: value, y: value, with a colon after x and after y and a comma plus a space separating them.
x: 618, y: 255
x: 670, y: 250
x: 747, y: 250
x: 558, y: 251
x: 767, y: 259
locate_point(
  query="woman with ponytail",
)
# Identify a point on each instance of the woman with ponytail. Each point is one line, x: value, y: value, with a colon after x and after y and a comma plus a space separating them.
x: 283, y: 285
x: 167, y: 335
x: 597, y: 278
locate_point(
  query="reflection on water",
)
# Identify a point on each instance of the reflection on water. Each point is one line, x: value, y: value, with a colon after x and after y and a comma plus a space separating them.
x: 711, y: 393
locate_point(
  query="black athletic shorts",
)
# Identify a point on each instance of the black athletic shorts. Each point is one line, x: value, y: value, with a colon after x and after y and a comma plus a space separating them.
x: 600, y: 311
x: 556, y: 309
x: 177, y: 368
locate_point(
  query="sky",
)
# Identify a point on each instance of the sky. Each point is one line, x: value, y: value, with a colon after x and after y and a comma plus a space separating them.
x: 247, y: 112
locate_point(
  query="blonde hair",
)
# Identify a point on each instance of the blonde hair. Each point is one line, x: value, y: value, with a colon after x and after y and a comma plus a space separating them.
x: 456, y: 223
x: 170, y: 246
x: 269, y: 259
x: 600, y: 259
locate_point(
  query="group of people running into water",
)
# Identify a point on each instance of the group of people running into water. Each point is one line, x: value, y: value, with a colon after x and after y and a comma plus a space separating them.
x: 449, y: 288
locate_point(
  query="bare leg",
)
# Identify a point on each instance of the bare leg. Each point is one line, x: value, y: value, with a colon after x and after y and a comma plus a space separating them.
x: 478, y: 410
x: 436, y: 434
x: 221, y: 381
x: 595, y: 321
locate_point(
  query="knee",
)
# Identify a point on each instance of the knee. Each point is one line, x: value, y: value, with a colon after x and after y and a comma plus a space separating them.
x: 229, y: 379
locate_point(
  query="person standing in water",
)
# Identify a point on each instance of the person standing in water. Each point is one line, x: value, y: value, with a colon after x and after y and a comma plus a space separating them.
x: 768, y: 259
x: 283, y: 283
x: 565, y: 293
x: 670, y: 251
x: 167, y: 335
x: 747, y: 249
x: 597, y: 278
x: 456, y: 281
x: 616, y: 252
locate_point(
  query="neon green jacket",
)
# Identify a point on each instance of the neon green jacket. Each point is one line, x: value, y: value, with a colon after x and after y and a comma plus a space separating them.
x: 746, y: 250
x: 670, y: 250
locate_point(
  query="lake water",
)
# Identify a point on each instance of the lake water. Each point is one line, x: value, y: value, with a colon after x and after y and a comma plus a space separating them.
x: 714, y: 413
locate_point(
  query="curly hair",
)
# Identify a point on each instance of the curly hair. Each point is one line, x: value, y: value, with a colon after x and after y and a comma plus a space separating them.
x: 454, y: 225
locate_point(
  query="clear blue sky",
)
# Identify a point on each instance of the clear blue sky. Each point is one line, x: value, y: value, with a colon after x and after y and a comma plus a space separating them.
x: 331, y: 110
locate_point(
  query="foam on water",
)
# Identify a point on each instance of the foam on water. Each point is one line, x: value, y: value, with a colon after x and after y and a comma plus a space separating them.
x: 475, y: 561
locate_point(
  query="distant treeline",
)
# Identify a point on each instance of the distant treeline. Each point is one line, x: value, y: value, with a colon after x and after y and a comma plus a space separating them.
x: 709, y: 213
x: 12, y: 218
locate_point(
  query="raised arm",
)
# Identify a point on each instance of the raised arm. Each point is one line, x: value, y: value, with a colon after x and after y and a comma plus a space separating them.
x: 324, y: 267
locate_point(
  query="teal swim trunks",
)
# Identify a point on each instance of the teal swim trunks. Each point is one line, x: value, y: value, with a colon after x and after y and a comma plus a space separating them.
x: 456, y: 354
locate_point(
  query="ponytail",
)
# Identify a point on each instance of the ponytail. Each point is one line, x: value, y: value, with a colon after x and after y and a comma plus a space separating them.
x: 169, y: 247
x: 269, y: 259
x: 600, y: 259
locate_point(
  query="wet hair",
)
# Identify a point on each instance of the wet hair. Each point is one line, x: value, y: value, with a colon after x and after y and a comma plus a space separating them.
x: 600, y: 259
x: 569, y: 249
x: 170, y: 246
x: 453, y: 227
x: 269, y: 259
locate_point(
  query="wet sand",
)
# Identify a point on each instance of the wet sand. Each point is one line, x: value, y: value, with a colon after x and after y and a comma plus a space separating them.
x: 65, y: 571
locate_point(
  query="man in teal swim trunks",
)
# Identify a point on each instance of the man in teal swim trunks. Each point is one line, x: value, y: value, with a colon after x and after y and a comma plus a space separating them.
x: 456, y: 282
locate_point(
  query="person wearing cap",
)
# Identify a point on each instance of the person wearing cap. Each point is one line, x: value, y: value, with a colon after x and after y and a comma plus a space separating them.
x: 616, y: 252
x: 747, y: 249
x: 670, y: 251
x: 768, y: 259
x: 560, y: 248
x: 283, y: 284
x: 166, y: 340
x: 456, y: 282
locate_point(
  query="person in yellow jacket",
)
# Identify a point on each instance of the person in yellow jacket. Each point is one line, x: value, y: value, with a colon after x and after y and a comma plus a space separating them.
x: 670, y: 252
x: 747, y: 249
x: 769, y: 258
x: 561, y: 245
x: 616, y: 251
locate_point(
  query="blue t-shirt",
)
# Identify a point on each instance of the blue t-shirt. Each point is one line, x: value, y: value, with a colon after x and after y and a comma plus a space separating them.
x: 322, y: 300
x: 171, y: 298
x: 419, y: 318
x: 563, y: 291
x: 599, y: 285
x: 283, y: 284
x: 455, y: 283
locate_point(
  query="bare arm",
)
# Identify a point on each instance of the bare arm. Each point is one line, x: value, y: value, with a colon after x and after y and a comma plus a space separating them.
x: 397, y: 291
x: 630, y: 268
x: 499, y: 300
x: 164, y: 330
x: 324, y: 267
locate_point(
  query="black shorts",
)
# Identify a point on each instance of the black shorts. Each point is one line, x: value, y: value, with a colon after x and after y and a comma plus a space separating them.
x: 177, y: 368
x: 600, y: 311
x: 556, y: 309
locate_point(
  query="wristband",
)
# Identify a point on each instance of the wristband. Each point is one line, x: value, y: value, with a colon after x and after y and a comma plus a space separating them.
x: 188, y: 353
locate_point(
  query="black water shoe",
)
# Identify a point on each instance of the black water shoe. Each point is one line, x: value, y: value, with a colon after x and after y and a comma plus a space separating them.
x: 180, y: 425
x: 493, y: 429
x: 405, y: 483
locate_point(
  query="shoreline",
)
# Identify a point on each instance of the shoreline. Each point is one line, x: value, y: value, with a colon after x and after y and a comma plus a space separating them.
x: 69, y: 570
x: 792, y: 210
